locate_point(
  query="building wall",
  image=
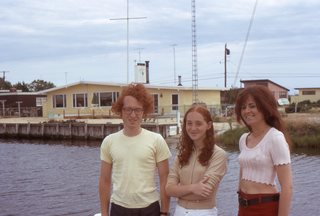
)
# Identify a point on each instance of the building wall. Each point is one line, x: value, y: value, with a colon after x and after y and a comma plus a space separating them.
x: 11, y: 100
x: 15, y: 104
x: 208, y: 97
x: 69, y: 110
x: 164, y: 95
x: 277, y: 90
x: 304, y: 94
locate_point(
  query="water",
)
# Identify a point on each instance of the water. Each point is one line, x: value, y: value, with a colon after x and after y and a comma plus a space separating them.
x: 54, y: 178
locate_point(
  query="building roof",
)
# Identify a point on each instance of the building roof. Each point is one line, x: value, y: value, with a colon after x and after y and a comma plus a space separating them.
x: 263, y: 80
x: 18, y: 93
x: 307, y: 88
x: 123, y: 85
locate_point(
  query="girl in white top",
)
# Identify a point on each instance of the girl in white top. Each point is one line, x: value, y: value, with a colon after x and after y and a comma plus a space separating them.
x: 264, y: 155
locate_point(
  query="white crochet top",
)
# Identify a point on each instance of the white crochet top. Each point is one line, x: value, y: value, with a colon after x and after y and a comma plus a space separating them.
x: 258, y: 163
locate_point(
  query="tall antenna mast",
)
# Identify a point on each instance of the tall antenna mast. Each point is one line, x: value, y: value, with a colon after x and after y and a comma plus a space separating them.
x: 194, y: 55
x: 174, y: 64
x: 128, y: 18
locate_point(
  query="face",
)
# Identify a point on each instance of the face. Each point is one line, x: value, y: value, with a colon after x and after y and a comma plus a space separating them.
x: 196, y: 126
x: 250, y: 113
x: 132, y: 112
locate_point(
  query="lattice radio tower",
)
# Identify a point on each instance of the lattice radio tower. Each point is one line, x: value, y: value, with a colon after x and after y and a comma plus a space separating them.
x: 194, y: 54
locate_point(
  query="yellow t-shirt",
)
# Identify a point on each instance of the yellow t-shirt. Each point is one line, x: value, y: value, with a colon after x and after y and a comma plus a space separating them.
x: 134, y: 161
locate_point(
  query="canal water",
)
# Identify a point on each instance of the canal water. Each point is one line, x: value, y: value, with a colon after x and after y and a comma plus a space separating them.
x: 61, y: 178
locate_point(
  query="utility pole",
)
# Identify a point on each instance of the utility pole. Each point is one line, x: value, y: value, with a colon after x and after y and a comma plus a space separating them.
x: 226, y: 52
x: 127, y: 19
x: 4, y: 75
x: 3, y: 107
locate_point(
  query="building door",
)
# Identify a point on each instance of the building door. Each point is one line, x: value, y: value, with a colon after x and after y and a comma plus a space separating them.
x: 156, y: 103
x: 175, y: 102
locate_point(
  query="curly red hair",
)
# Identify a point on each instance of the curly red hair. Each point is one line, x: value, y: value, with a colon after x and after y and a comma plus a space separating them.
x: 139, y: 92
x: 186, y: 146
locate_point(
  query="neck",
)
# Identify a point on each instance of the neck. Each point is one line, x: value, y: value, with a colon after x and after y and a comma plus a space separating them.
x: 258, y: 131
x: 131, y: 132
x: 198, y: 145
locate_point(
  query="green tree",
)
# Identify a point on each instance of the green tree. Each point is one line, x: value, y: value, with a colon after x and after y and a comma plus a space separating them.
x: 39, y: 85
x: 22, y: 86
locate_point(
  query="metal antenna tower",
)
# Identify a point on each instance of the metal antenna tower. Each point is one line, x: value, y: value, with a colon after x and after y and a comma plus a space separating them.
x: 194, y: 55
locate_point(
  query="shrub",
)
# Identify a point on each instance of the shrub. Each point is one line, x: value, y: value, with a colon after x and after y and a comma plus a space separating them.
x: 231, y: 136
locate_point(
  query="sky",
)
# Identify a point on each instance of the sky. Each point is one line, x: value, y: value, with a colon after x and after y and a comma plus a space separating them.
x: 66, y: 41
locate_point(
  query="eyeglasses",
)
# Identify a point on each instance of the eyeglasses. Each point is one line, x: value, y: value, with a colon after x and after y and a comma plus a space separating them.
x: 129, y: 110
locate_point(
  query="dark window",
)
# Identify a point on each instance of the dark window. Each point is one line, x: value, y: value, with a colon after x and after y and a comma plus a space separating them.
x: 283, y: 94
x: 59, y: 101
x: 80, y: 100
x: 175, y: 102
x: 308, y: 92
x: 104, y: 98
x: 156, y: 103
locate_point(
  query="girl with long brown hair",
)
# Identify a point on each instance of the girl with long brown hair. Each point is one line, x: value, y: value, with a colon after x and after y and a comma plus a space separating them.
x: 198, y: 167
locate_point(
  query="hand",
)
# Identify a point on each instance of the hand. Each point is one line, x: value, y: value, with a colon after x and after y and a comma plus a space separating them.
x: 202, y: 189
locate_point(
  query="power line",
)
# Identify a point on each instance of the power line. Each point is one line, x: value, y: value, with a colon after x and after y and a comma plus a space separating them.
x: 245, y: 43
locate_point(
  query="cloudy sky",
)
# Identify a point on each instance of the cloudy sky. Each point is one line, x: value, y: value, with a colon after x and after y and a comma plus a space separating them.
x: 65, y: 41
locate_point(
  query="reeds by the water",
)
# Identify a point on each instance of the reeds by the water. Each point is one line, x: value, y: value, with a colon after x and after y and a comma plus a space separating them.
x: 303, y: 134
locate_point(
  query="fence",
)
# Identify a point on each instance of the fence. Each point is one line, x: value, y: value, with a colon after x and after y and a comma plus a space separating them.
x: 105, y: 112
x: 22, y: 112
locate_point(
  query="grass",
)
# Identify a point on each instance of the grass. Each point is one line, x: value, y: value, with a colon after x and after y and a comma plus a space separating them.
x: 303, y: 130
x: 304, y: 134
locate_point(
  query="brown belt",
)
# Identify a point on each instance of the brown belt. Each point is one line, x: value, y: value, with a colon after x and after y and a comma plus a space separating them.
x: 255, y: 201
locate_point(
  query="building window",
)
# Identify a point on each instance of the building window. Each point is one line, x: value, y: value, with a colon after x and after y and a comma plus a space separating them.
x: 308, y: 92
x: 282, y: 94
x: 59, y: 101
x: 40, y: 101
x: 156, y: 103
x: 104, y: 98
x: 80, y: 100
x: 175, y: 102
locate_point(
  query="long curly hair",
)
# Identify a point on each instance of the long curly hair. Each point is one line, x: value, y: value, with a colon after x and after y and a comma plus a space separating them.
x: 266, y: 104
x: 186, y: 146
x: 139, y: 92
